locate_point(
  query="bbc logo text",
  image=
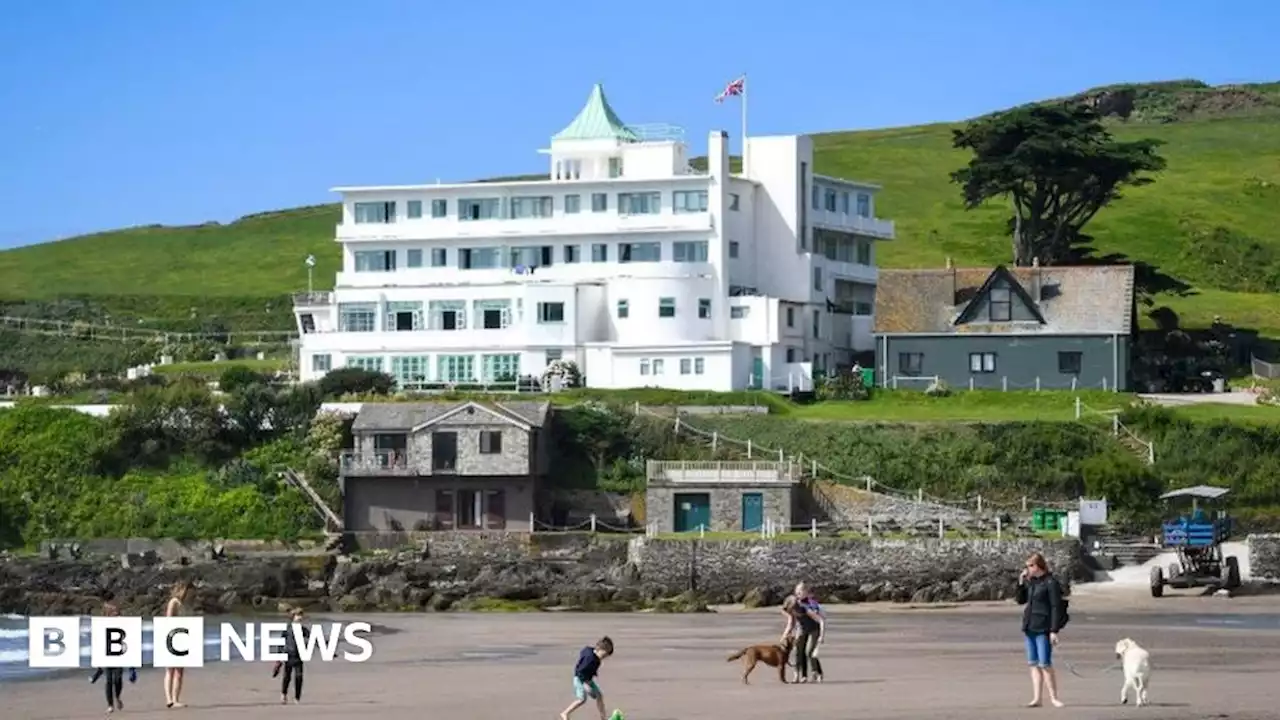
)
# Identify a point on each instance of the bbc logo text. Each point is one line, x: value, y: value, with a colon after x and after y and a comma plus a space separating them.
x: 179, y: 642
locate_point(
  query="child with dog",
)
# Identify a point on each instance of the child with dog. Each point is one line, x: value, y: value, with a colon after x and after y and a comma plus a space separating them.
x: 1043, y: 615
x: 805, y: 618
x: 584, y: 677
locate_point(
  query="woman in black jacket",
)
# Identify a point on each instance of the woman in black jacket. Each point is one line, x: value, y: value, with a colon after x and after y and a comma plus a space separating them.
x: 1042, y: 617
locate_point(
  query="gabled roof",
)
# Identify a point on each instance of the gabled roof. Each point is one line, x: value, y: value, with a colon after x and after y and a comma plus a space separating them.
x: 596, y: 121
x: 1081, y: 299
x: 407, y: 417
x: 1000, y: 273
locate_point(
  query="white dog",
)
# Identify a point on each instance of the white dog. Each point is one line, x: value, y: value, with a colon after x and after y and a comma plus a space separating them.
x: 1137, y: 670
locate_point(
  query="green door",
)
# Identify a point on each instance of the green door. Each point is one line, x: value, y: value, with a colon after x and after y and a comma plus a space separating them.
x: 692, y: 511
x: 757, y: 373
x: 752, y: 511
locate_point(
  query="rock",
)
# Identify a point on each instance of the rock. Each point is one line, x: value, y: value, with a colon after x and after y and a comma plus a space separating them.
x: 761, y: 597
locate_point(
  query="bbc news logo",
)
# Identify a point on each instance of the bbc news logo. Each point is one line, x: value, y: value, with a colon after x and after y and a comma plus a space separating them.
x: 179, y: 642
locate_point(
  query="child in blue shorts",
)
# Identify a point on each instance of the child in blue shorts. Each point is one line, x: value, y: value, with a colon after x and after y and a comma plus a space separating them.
x: 584, y: 677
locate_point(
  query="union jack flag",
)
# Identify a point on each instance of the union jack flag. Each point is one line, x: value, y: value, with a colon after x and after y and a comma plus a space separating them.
x: 737, y: 87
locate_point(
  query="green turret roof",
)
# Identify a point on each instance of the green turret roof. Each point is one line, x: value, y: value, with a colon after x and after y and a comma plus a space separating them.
x: 596, y: 121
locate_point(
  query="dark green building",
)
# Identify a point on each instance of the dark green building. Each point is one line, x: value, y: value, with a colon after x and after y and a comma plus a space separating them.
x: 1005, y: 328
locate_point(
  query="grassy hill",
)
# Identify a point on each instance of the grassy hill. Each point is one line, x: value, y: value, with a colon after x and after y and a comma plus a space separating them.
x: 1211, y: 219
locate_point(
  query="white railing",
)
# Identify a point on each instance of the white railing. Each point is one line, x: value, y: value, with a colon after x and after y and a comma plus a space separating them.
x: 698, y: 471
x: 1119, y: 430
x: 657, y: 132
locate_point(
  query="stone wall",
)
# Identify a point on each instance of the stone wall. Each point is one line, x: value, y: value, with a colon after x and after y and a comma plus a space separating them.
x: 726, y: 504
x: 761, y: 571
x: 1264, y: 557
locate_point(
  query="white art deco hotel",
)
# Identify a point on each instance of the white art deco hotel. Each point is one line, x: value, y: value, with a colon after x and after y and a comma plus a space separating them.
x: 640, y: 268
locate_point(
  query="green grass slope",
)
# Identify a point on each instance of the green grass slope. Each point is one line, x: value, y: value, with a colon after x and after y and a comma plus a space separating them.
x: 1211, y: 219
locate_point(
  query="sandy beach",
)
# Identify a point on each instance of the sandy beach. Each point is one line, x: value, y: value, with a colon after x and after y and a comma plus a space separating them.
x: 1213, y: 658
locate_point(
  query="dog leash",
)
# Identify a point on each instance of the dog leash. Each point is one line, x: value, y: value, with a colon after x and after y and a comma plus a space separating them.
x: 1072, y: 667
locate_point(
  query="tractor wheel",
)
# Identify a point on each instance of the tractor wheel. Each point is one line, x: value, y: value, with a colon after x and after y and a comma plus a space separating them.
x: 1231, y: 573
x: 1157, y: 582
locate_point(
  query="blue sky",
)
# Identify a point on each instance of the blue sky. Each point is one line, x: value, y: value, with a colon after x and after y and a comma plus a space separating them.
x: 130, y: 112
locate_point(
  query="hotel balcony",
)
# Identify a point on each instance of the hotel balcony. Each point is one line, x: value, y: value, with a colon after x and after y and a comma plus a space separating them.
x: 318, y: 299
x: 560, y: 225
x: 869, y: 226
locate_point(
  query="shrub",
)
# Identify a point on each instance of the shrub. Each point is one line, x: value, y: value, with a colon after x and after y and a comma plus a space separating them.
x: 566, y: 371
x: 354, y: 381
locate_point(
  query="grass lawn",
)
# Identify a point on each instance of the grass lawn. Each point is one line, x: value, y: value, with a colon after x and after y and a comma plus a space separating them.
x: 1221, y: 173
x: 213, y: 370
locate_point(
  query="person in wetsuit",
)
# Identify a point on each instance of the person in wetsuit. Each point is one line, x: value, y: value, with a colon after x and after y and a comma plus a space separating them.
x: 115, y: 676
x: 292, y: 665
x: 808, y: 625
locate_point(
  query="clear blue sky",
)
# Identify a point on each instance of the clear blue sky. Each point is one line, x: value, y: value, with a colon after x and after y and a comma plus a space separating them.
x: 130, y: 112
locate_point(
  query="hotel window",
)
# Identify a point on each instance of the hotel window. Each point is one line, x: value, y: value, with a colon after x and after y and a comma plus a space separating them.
x: 572, y: 204
x: 599, y: 202
x: 368, y: 363
x: 791, y: 317
x: 666, y: 307
x: 410, y: 371
x: 738, y: 312
x: 864, y: 252
x: 699, y: 365
x: 644, y: 366
x: 999, y: 305
x: 492, y: 314
x: 645, y: 203
x: 689, y: 201
x: 375, y: 212
x: 817, y: 279
x: 572, y: 254
x: 554, y: 355
x: 375, y: 260
x: 439, y: 257
x: 403, y: 316
x: 357, y: 317
x: 413, y: 209
x: 455, y: 368
x: 413, y: 258
x: 532, y: 256
x: 599, y: 252
x: 479, y: 209
x: 733, y: 249
x: 615, y: 167
x: 624, y: 310
x: 520, y: 208
x: 910, y: 364
x: 447, y: 315
x: 817, y: 197
x: 657, y: 366
x: 829, y: 200
x: 640, y: 252
x: 791, y: 355
x: 480, y: 258
x: 323, y: 363
x: 982, y: 362
x: 704, y: 308
x: 504, y: 368
x: 817, y: 324
x: 686, y: 366
x: 733, y: 201
x: 550, y: 312
x: 692, y: 251
x: 844, y: 202
x: 864, y: 205
x: 1069, y: 362
x: 439, y: 208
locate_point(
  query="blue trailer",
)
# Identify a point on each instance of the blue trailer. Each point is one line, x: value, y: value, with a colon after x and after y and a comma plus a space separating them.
x: 1197, y: 538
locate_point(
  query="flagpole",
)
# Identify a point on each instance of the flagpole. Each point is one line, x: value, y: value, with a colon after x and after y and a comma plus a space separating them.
x: 745, y: 171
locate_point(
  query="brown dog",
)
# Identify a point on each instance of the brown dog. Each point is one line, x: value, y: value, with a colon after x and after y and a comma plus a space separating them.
x: 771, y: 655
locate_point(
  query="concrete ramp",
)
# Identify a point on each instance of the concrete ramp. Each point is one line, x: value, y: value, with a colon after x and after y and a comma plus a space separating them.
x: 1139, y: 576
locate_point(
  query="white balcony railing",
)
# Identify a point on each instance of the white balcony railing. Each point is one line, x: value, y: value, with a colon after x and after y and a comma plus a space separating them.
x: 583, y: 223
x: 710, y: 472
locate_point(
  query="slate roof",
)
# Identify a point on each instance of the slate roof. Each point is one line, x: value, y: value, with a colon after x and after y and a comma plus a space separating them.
x: 406, y: 416
x: 1083, y: 299
x: 597, y: 121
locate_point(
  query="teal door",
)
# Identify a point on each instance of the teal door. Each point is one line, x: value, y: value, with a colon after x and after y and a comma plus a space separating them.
x: 692, y: 511
x: 752, y: 511
x: 757, y: 373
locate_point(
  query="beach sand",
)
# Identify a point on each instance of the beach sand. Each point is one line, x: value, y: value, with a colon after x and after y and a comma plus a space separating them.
x: 1213, y: 658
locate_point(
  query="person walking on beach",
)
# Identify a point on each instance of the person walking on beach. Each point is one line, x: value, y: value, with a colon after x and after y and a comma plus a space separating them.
x: 1042, y: 617
x: 173, y: 676
x: 809, y: 626
x: 584, y: 677
x: 292, y: 666
x: 115, y: 676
